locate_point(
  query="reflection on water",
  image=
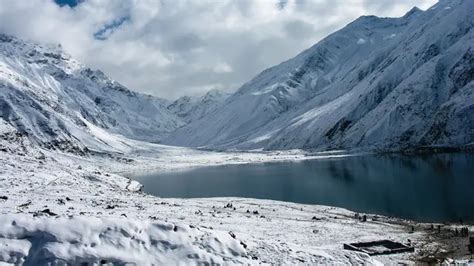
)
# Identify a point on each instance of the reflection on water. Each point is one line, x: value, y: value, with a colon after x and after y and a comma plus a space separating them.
x: 423, y: 187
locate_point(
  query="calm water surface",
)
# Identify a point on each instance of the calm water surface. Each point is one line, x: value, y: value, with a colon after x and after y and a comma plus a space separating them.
x: 424, y: 187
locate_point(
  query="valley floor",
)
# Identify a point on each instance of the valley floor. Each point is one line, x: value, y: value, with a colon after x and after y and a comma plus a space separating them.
x: 57, y: 207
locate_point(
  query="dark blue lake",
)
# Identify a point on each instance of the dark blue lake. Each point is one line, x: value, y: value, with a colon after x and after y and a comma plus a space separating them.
x: 435, y: 188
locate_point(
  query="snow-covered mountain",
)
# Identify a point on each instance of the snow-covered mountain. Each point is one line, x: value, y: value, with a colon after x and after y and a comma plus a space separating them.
x: 190, y: 109
x: 54, y: 100
x: 388, y: 83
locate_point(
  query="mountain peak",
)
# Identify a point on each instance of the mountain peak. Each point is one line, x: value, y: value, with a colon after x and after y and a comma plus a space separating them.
x: 414, y: 11
x: 366, y: 19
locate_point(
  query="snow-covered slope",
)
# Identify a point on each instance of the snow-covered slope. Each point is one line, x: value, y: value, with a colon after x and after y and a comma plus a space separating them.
x: 57, y: 102
x: 387, y: 83
x: 191, y: 109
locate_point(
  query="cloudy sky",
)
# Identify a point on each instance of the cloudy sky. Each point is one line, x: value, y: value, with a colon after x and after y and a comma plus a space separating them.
x: 171, y: 48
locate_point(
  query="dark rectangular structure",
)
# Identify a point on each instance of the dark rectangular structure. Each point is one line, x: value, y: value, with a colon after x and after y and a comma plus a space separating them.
x: 380, y: 247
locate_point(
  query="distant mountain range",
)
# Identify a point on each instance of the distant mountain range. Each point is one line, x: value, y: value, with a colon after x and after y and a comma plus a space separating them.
x: 378, y: 83
x: 190, y: 109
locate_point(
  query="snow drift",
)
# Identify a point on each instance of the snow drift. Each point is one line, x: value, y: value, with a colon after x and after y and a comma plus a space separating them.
x: 44, y: 241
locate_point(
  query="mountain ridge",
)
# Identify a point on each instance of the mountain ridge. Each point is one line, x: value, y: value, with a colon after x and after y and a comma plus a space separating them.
x: 336, y: 94
x: 56, y: 101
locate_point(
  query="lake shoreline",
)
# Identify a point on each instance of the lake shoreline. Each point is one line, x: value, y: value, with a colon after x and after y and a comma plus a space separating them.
x: 71, y: 186
x: 388, y: 181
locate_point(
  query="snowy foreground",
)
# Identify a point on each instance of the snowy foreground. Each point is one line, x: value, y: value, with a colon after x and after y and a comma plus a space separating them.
x: 58, y: 207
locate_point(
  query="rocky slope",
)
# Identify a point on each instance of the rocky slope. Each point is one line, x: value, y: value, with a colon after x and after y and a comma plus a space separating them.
x: 384, y: 83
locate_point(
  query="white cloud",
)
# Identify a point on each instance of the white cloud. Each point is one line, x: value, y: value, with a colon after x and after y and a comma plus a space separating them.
x: 172, y: 48
x: 222, y: 68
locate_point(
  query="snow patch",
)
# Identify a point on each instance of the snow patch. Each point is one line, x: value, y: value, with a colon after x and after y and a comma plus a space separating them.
x: 26, y: 240
x: 391, y: 36
x: 266, y: 90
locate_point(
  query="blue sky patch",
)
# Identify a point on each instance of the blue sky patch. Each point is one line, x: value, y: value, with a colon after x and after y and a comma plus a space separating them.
x: 109, y: 28
x: 70, y: 3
